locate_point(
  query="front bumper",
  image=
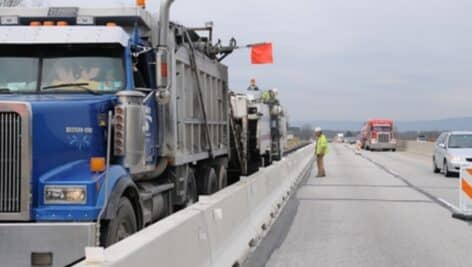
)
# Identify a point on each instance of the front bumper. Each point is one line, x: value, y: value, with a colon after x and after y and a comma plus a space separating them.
x: 455, y: 167
x: 382, y: 146
x: 64, y: 241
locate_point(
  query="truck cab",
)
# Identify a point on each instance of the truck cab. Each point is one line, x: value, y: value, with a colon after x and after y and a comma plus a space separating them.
x: 109, y: 121
x: 378, y: 134
x: 63, y: 74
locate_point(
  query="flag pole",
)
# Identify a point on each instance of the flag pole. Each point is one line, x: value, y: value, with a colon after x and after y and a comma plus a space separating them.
x: 251, y: 45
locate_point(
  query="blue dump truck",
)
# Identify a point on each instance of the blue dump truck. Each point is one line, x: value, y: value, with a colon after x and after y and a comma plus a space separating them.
x: 110, y: 119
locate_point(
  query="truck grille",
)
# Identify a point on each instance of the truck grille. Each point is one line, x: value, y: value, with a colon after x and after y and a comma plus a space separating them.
x: 15, y: 161
x: 384, y: 138
x: 10, y: 162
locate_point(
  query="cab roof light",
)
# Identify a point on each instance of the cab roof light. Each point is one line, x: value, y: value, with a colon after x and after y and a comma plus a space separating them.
x: 9, y: 20
x: 35, y: 23
x: 141, y: 3
x: 48, y: 23
x: 85, y: 20
x: 62, y: 23
x: 111, y: 24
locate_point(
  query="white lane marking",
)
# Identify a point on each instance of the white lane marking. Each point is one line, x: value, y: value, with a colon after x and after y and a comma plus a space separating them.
x: 394, y: 172
x: 448, y: 204
x: 434, y: 198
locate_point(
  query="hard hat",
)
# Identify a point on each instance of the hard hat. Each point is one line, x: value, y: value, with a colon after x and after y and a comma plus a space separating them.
x: 252, y: 85
x: 317, y: 129
x: 275, y: 90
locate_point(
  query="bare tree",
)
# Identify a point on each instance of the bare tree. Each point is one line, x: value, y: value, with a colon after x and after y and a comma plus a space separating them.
x: 10, y: 3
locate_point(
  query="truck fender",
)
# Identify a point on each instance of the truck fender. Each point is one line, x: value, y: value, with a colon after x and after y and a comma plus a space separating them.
x: 125, y: 186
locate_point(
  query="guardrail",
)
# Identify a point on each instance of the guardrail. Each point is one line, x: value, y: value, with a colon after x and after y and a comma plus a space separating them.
x: 220, y: 229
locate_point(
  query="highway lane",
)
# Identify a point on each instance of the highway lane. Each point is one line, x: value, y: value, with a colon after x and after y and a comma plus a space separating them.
x: 418, y: 170
x: 361, y: 215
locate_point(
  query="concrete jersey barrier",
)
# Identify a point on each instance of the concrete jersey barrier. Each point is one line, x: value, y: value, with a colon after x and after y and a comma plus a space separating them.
x: 220, y: 229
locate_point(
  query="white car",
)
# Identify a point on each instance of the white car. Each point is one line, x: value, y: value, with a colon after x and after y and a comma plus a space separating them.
x: 451, y: 151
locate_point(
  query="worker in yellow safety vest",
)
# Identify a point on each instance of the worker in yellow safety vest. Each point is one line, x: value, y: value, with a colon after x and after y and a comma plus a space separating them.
x: 321, y: 149
x: 270, y: 97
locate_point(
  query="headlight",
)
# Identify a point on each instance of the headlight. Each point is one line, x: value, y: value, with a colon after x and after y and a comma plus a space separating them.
x: 9, y: 20
x: 65, y: 194
x: 456, y: 160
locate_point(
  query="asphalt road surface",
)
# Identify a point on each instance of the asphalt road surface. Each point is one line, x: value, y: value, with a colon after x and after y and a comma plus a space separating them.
x: 378, y: 209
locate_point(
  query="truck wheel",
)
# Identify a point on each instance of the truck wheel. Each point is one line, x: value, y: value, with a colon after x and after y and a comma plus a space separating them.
x: 207, y: 181
x: 222, y: 176
x: 122, y: 226
x: 252, y: 167
x: 191, y: 193
x: 267, y: 159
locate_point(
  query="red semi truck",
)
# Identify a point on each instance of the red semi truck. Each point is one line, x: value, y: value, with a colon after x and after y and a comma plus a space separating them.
x: 377, y: 134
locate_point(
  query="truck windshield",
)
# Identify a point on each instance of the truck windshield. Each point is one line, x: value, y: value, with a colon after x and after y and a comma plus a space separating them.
x: 382, y: 128
x: 460, y: 141
x: 61, y: 69
x: 18, y: 74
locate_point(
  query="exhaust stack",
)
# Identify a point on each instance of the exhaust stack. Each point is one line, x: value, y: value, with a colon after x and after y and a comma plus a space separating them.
x: 162, y: 60
x: 164, y: 22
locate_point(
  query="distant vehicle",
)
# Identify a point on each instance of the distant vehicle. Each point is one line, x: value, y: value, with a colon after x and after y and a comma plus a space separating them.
x: 421, y: 138
x: 451, y: 150
x: 340, y: 138
x: 350, y: 140
x: 377, y: 134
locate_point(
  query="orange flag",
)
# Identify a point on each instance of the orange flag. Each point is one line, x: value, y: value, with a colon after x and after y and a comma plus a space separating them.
x: 262, y: 54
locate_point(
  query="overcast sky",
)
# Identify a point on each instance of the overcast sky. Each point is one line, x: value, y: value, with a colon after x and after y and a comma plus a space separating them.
x: 346, y: 59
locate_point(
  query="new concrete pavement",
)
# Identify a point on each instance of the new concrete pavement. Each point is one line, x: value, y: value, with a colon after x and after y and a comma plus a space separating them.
x: 362, y: 215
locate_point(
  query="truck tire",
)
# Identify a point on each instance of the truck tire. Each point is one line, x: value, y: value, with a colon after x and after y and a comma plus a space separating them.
x: 222, y: 176
x: 206, y: 180
x: 267, y: 159
x: 191, y: 190
x: 278, y: 156
x: 123, y: 225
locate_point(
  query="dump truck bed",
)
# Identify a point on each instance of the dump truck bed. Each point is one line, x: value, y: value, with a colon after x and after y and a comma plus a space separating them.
x: 185, y: 138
